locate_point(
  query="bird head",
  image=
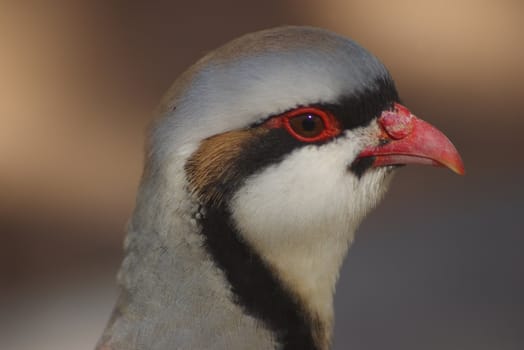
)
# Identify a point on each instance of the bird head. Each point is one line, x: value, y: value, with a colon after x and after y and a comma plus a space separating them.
x: 284, y: 140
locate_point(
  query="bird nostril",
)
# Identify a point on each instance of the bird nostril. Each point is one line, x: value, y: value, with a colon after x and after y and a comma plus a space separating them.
x: 397, y: 123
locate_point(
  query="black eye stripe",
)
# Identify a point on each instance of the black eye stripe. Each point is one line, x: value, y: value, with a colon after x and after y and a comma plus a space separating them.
x: 359, y: 110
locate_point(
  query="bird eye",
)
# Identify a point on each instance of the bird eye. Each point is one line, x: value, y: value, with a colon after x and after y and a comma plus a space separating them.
x: 307, y: 125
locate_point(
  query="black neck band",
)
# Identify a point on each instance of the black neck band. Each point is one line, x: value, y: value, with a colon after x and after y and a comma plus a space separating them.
x: 255, y: 286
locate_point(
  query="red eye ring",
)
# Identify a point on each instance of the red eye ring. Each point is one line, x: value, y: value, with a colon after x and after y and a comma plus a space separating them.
x: 330, y: 126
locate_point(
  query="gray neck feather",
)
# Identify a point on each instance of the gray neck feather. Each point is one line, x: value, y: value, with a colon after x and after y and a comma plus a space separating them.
x: 172, y: 295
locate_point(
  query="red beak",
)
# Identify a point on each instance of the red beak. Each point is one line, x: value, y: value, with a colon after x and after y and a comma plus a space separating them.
x: 405, y: 139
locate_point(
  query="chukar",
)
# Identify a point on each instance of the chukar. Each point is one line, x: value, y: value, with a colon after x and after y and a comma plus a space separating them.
x: 268, y: 153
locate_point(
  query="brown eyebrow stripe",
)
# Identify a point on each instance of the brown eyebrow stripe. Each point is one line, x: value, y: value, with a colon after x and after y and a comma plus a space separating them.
x: 213, y: 165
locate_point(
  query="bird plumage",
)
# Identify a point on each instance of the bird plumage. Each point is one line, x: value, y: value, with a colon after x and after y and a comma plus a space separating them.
x: 241, y: 224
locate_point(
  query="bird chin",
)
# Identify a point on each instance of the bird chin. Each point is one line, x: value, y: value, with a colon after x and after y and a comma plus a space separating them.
x: 383, y: 169
x: 388, y: 171
x: 381, y: 177
x: 361, y: 166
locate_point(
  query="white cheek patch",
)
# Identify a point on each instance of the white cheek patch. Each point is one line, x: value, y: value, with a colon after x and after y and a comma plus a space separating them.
x: 302, y: 193
x: 310, y: 191
x: 301, y: 214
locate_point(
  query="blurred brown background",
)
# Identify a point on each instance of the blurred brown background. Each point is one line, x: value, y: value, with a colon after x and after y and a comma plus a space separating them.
x: 439, y: 265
